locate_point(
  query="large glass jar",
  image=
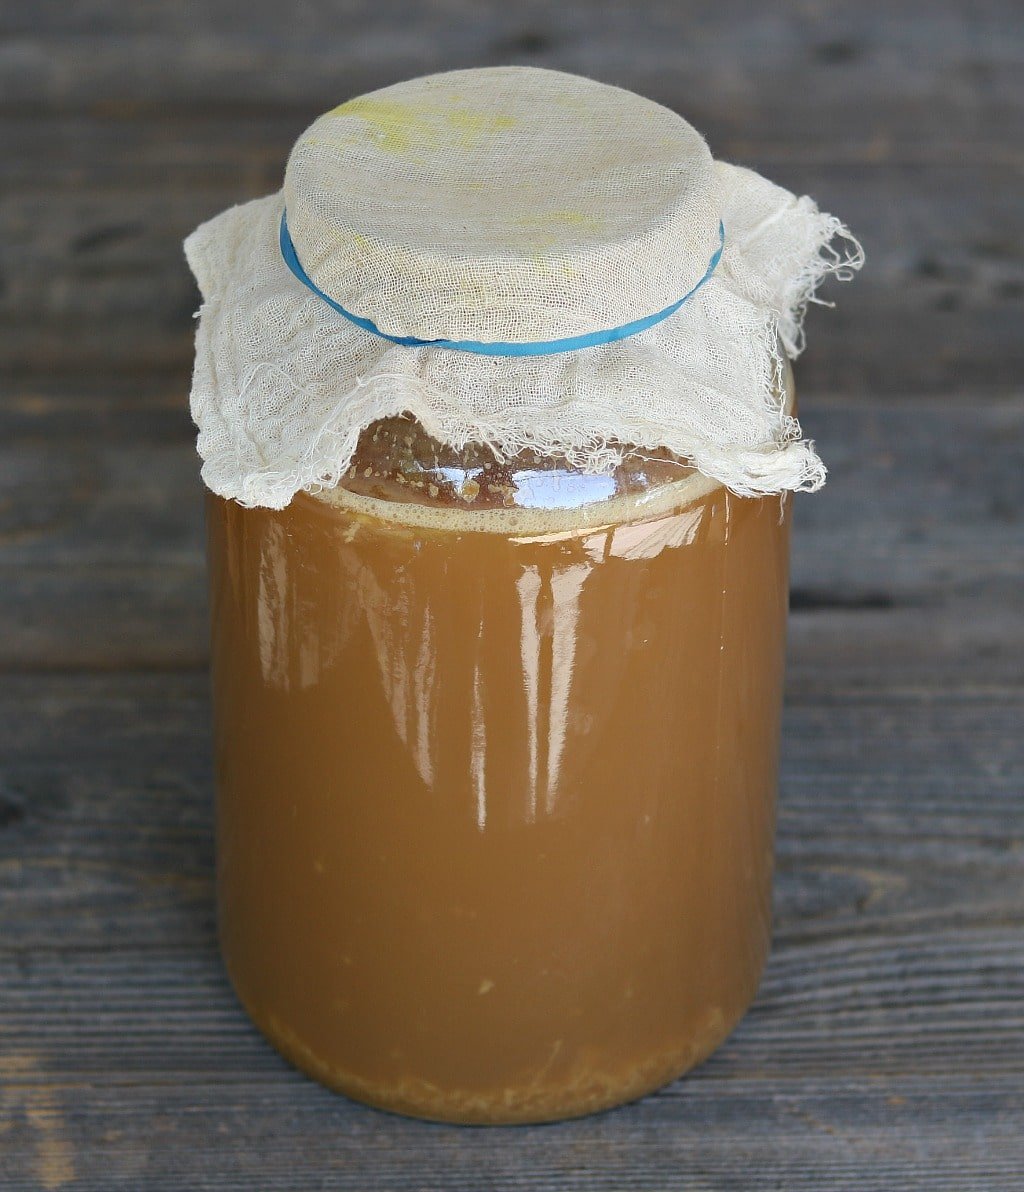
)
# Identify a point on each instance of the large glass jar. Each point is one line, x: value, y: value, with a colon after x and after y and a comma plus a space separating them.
x: 496, y: 768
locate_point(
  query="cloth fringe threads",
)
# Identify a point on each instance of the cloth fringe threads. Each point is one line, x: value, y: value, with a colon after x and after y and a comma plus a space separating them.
x: 584, y: 233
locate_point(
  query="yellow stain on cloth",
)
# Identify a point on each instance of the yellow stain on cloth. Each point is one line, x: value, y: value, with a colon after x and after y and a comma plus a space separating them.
x: 401, y: 127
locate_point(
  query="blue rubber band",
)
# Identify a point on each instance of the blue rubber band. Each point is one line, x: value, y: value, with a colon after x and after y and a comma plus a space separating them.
x: 531, y: 348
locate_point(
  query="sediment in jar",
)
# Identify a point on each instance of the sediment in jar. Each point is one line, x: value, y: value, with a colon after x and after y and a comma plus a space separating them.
x: 400, y: 474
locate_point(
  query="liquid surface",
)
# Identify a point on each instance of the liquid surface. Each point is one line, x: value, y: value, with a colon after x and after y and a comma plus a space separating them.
x: 399, y: 474
x: 396, y: 460
x: 495, y: 810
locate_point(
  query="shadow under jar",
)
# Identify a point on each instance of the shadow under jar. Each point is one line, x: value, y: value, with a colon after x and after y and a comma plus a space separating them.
x: 496, y: 752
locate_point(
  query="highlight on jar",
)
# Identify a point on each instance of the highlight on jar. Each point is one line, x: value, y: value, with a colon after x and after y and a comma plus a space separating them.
x: 497, y: 420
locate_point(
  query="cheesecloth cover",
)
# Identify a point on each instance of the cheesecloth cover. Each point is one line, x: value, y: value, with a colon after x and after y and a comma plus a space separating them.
x: 595, y: 279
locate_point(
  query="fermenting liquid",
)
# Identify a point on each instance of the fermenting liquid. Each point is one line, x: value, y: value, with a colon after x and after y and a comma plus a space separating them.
x: 496, y: 783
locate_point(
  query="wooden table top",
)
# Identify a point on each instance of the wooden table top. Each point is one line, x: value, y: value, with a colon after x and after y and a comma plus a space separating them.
x: 886, y: 1048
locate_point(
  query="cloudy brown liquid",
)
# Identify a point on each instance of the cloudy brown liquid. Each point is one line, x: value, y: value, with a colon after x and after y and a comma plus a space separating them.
x: 495, y: 807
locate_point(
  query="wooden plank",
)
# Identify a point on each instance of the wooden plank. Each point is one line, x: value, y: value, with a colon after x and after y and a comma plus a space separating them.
x: 885, y: 1049
x: 906, y: 569
x: 95, y: 280
x: 164, y: 121
x: 189, y: 150
x: 118, y: 408
x: 232, y: 154
x: 897, y: 814
x: 945, y: 74
x: 915, y: 1135
x: 912, y: 1005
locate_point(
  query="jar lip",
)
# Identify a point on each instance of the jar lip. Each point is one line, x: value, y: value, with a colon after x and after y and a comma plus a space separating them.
x: 534, y: 523
x: 514, y: 522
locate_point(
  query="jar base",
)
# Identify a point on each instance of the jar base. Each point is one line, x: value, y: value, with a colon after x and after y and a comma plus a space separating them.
x: 587, y: 1093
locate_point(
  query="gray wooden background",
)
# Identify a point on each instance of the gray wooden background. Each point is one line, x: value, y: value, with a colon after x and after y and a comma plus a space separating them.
x: 886, y: 1050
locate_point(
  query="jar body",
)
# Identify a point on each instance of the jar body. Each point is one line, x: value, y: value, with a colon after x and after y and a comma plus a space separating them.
x: 495, y: 811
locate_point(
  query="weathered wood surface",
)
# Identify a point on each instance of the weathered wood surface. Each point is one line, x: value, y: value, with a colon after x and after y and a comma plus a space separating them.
x: 97, y: 280
x: 124, y: 125
x: 906, y: 568
x: 886, y: 1049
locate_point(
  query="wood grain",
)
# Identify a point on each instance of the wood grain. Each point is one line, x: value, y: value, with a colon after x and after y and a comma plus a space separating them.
x: 886, y: 1048
x: 939, y: 75
x: 897, y: 814
x: 701, y: 1136
x: 121, y: 133
x: 906, y: 567
x: 898, y: 963
x: 96, y: 280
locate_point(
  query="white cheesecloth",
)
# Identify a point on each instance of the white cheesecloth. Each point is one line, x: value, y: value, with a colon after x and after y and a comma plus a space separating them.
x: 507, y: 209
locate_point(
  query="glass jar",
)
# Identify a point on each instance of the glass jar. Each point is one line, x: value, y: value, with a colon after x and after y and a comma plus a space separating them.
x: 496, y: 752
